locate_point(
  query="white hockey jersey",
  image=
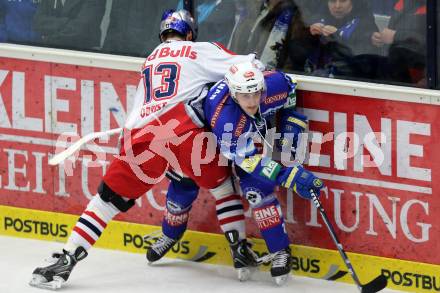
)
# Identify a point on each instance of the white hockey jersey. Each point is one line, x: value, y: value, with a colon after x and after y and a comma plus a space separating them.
x: 176, y: 72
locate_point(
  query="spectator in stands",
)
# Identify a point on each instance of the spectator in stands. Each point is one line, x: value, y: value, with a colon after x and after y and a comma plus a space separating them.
x: 406, y: 38
x: 341, y: 31
x: 382, y: 7
x: 72, y: 24
x: 16, y: 21
x: 246, y: 12
x: 269, y: 33
x: 301, y: 42
x: 132, y: 26
x: 308, y: 10
x: 215, y: 20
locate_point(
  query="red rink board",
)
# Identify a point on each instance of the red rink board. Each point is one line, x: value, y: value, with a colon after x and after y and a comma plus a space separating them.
x: 388, y: 211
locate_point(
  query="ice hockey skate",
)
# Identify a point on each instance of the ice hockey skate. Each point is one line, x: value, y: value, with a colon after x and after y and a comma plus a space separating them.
x: 56, y: 274
x: 160, y: 247
x: 281, y: 266
x: 242, y: 255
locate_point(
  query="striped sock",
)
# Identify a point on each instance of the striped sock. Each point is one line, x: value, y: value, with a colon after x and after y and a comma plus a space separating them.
x: 230, y: 214
x: 91, y: 224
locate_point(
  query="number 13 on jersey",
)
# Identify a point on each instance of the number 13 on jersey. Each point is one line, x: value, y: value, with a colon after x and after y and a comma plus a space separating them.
x: 168, y: 73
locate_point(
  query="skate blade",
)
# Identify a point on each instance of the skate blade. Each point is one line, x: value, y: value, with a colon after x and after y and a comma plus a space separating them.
x: 245, y: 273
x: 281, y: 280
x: 39, y: 281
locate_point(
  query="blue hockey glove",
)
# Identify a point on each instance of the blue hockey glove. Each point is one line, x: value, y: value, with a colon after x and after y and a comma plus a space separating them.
x: 291, y: 127
x: 301, y: 181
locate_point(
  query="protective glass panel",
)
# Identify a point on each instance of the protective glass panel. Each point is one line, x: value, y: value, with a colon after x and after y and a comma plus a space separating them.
x: 110, y: 26
x: 370, y: 40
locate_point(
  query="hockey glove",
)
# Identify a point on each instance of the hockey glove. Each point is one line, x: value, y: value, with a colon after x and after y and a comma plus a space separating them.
x: 291, y: 127
x: 301, y: 181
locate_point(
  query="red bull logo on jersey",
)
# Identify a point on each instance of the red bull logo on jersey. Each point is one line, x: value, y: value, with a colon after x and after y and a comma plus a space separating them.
x: 184, y: 52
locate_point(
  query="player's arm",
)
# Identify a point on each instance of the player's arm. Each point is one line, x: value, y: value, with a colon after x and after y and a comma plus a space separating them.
x: 292, y: 123
x: 243, y: 152
x: 297, y: 177
x: 217, y: 59
x: 267, y: 170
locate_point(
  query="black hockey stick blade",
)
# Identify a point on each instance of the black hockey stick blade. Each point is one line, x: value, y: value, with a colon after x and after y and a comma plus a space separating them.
x: 375, y: 285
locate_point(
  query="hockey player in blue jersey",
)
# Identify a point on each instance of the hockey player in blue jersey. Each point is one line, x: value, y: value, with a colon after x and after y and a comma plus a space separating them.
x: 236, y: 110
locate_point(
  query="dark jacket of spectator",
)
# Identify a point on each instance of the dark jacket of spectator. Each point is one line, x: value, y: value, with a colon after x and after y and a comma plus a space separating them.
x: 308, y: 10
x: 70, y: 23
x: 407, y: 52
x: 409, y: 22
x: 301, y: 42
x: 382, y: 7
x: 16, y: 21
x: 269, y: 33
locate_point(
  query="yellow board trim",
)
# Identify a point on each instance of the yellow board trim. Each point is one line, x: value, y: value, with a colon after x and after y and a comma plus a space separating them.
x: 213, y: 248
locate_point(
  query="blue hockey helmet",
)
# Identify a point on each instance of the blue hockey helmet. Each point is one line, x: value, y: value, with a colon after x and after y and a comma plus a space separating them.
x: 179, y: 21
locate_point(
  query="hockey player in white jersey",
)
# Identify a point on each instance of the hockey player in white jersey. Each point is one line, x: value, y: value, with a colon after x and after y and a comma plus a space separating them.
x: 176, y: 72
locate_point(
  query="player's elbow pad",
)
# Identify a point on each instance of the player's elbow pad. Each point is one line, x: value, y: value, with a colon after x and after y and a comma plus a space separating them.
x: 295, y: 121
x: 294, y: 124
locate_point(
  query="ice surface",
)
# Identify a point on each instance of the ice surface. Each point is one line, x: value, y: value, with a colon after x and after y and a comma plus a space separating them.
x: 112, y: 271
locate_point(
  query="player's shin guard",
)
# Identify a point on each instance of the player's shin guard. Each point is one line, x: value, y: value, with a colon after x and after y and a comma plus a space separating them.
x: 174, y: 225
x: 173, y: 228
x: 270, y: 221
x: 180, y: 197
x: 179, y: 201
x: 87, y: 230
x: 229, y: 207
x: 91, y: 224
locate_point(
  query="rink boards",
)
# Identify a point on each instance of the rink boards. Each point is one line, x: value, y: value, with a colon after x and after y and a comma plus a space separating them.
x: 375, y: 146
x: 213, y: 248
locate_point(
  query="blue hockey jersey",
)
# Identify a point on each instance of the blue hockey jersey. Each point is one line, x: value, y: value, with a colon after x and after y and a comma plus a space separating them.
x: 234, y: 129
x: 235, y: 132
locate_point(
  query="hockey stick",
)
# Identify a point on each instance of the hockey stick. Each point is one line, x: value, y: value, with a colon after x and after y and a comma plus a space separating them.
x: 379, y: 283
x: 58, y: 158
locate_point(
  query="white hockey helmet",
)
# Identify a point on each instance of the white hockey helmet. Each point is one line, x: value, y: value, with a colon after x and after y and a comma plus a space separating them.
x: 244, y: 78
